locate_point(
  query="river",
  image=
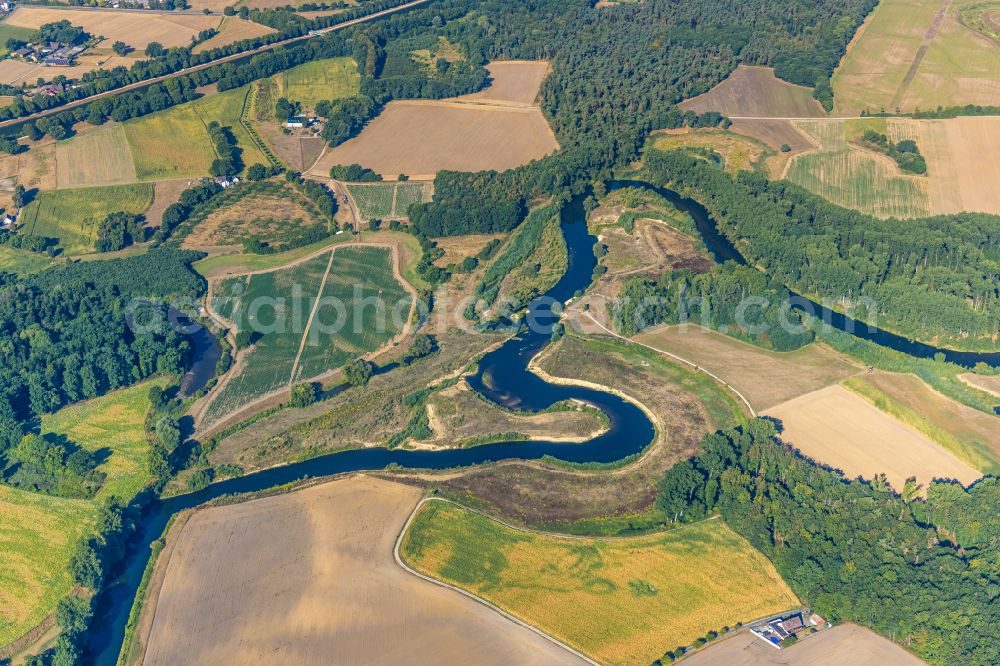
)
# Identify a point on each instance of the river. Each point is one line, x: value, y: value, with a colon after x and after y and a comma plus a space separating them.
x: 502, y: 376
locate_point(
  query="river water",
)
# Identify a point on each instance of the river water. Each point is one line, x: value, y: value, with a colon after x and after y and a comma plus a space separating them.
x: 503, y: 377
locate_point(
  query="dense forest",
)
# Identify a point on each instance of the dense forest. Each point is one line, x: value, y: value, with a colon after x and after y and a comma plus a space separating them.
x: 922, y: 573
x: 933, y: 279
x: 65, y: 334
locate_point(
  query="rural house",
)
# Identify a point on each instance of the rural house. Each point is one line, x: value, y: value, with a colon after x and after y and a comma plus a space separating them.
x: 776, y: 630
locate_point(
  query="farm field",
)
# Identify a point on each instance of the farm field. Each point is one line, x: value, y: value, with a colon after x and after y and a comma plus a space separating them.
x: 756, y: 92
x: 839, y: 428
x: 137, y: 29
x: 386, y: 201
x: 621, y: 601
x: 516, y: 81
x: 97, y: 157
x: 312, y: 82
x: 311, y: 573
x: 843, y: 645
x: 233, y: 29
x: 39, y: 533
x: 72, y: 216
x: 297, y: 341
x: 919, y: 55
x: 420, y: 138
x: 17, y: 71
x: 765, y: 377
x: 854, y: 177
x: 174, y: 143
x: 970, y: 434
x: 9, y: 31
x: 988, y: 383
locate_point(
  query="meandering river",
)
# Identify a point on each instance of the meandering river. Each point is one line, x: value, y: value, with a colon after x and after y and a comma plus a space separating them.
x: 502, y: 376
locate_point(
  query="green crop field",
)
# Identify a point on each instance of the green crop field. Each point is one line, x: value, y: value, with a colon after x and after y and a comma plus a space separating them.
x: 8, y: 31
x: 620, y: 601
x: 174, y: 143
x: 854, y: 177
x: 320, y: 80
x: 72, y: 216
x: 39, y: 533
x: 22, y: 262
x: 386, y: 200
x: 347, y: 324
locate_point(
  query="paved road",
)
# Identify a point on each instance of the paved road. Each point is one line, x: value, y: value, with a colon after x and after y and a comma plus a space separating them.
x: 236, y: 56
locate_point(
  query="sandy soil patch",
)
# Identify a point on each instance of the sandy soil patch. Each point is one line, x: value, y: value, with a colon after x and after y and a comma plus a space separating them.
x: 844, y: 645
x: 843, y: 430
x: 766, y: 378
x: 516, y: 81
x: 420, y: 138
x: 137, y: 29
x: 300, y: 577
x: 755, y: 91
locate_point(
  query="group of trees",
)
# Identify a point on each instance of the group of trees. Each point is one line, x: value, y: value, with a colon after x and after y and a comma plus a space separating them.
x: 905, y: 152
x: 62, y: 32
x: 229, y: 156
x: 933, y: 278
x: 922, y: 572
x: 119, y: 230
x: 354, y: 173
x: 179, y: 212
x: 46, y: 465
x: 740, y: 300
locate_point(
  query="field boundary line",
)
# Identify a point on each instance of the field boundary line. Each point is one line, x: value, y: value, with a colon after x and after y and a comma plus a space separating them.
x: 312, y: 315
x: 470, y: 595
x: 711, y: 374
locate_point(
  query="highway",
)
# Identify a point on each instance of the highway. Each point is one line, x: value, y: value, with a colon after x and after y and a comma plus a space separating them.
x: 14, y: 122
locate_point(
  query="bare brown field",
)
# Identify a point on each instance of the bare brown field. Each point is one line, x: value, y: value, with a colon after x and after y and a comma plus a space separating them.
x: 14, y: 71
x: 35, y: 168
x: 137, y: 29
x: 844, y: 645
x: 773, y: 133
x: 420, y: 138
x: 756, y: 92
x: 458, y: 415
x: 516, y: 81
x: 988, y: 383
x: 300, y: 577
x: 165, y: 192
x: 457, y: 248
x: 233, y: 29
x: 766, y: 378
x: 843, y: 430
x: 300, y: 152
x: 97, y: 157
x: 972, y: 435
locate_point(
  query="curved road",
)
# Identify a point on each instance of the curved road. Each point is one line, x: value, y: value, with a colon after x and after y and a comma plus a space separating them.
x: 187, y: 70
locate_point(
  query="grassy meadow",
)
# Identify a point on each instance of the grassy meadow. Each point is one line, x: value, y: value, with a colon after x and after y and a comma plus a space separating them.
x: 38, y: 533
x: 73, y: 215
x: 620, y: 601
x: 22, y: 262
x: 313, y: 82
x: 98, y: 157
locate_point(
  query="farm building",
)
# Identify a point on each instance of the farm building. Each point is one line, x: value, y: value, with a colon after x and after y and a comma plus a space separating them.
x: 300, y: 121
x: 777, y: 630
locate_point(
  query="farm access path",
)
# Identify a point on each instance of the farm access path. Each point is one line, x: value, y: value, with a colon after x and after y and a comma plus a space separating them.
x: 13, y: 122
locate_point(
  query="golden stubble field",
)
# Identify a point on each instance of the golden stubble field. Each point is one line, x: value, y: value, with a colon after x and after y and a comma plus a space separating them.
x: 137, y: 29
x: 309, y: 578
x: 756, y: 92
x: 839, y: 428
x: 844, y: 645
x: 494, y: 129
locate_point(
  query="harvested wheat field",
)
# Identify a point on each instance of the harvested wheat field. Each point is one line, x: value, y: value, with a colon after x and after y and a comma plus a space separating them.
x: 843, y: 430
x: 970, y: 434
x: 516, y: 81
x: 420, y: 138
x: 98, y: 157
x: 756, y: 92
x: 17, y: 71
x: 137, y: 29
x: 773, y: 133
x: 844, y: 645
x: 309, y: 577
x: 231, y: 30
x: 765, y: 378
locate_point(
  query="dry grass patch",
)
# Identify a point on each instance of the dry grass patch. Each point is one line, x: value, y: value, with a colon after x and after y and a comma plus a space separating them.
x: 620, y: 601
x: 516, y: 81
x: 165, y: 192
x: 16, y: 71
x: 233, y: 29
x: 420, y: 138
x: 765, y: 377
x: 844, y: 645
x: 970, y: 434
x: 757, y: 92
x: 988, y: 383
x: 35, y: 168
x: 98, y: 157
x: 457, y: 248
x: 306, y: 575
x: 843, y: 430
x: 739, y: 153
